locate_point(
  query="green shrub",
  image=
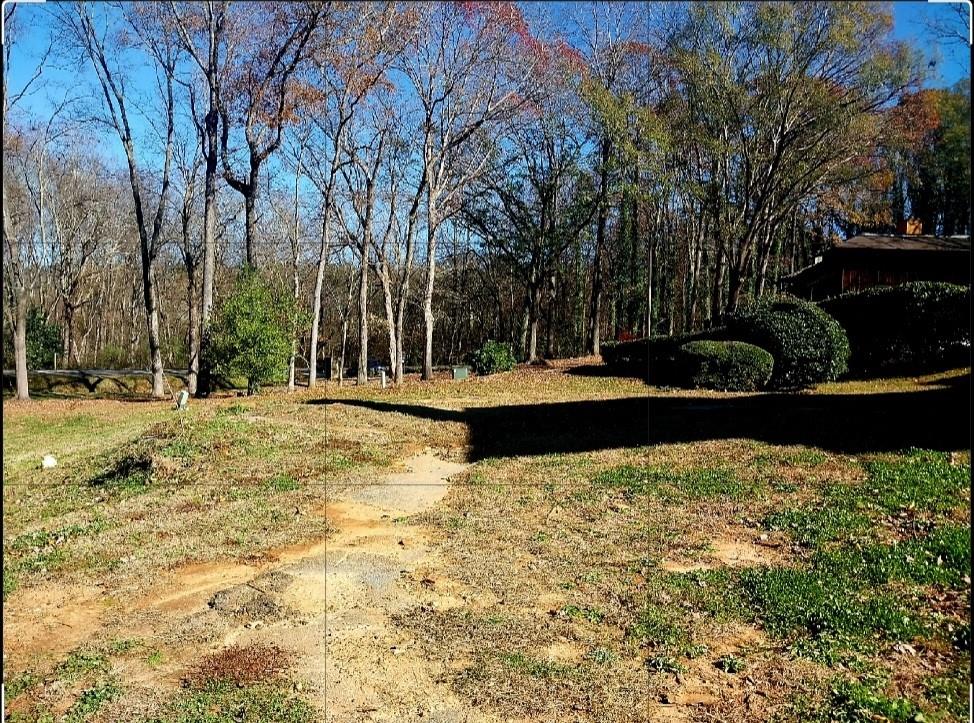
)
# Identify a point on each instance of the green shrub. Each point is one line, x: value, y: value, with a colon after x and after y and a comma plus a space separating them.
x: 912, y: 328
x: 493, y: 357
x: 43, y: 342
x: 251, y: 336
x: 626, y: 358
x: 652, y: 359
x: 728, y: 365
x: 808, y: 345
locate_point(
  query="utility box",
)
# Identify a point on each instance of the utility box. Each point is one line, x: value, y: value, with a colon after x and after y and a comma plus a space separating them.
x: 461, y: 372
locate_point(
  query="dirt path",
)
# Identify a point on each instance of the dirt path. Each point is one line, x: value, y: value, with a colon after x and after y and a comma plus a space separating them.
x: 334, y: 612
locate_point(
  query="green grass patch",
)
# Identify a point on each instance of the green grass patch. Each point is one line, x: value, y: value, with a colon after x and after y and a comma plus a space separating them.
x: 10, y: 581
x: 730, y: 664
x: 658, y: 626
x: 859, y: 701
x: 922, y: 479
x: 673, y: 486
x: 527, y: 665
x: 21, y: 683
x: 282, y: 483
x: 950, y: 691
x: 698, y: 483
x: 942, y: 557
x: 575, y: 612
x: 821, y: 601
x: 804, y: 458
x: 91, y: 700
x: 821, y: 523
x: 664, y: 664
x: 81, y: 662
x: 714, y: 592
x: 601, y: 656
x: 180, y: 449
x: 627, y: 478
x: 122, y: 646
x: 225, y: 702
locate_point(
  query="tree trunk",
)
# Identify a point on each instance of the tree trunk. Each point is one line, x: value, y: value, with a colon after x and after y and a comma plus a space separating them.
x: 595, y: 308
x: 533, y: 309
x: 203, y: 386
x: 428, y: 318
x: 20, y: 346
x: 386, y: 282
x: 250, y: 215
x: 363, y: 314
x: 192, y: 371
x: 152, y: 325
x: 316, y: 304
x: 69, y: 351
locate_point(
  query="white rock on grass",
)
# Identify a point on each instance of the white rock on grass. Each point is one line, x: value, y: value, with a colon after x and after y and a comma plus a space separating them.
x: 48, y: 462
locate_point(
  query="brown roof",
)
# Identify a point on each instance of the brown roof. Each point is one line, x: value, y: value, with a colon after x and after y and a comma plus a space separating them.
x: 906, y: 243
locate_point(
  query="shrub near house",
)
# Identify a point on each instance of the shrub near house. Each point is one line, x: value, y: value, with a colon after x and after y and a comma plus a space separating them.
x: 726, y: 365
x: 808, y: 345
x: 912, y: 328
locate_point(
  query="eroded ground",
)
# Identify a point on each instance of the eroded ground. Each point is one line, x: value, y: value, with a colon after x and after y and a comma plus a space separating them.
x: 497, y: 549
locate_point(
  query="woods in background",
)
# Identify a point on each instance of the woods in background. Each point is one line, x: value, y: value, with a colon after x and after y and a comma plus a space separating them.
x: 422, y: 177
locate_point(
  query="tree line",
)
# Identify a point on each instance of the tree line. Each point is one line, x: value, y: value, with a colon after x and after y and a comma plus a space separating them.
x: 419, y: 178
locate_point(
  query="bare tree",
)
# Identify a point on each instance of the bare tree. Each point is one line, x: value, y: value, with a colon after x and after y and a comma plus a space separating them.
x: 18, y: 229
x: 202, y: 29
x: 462, y: 72
x: 261, y: 93
x: 105, y: 59
x: 349, y: 60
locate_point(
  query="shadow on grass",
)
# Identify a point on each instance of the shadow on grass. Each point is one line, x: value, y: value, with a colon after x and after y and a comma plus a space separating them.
x: 844, y: 423
x: 535, y: 429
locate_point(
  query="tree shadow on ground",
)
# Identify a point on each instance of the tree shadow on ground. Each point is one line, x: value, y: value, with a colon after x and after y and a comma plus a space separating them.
x: 936, y: 418
x: 536, y: 429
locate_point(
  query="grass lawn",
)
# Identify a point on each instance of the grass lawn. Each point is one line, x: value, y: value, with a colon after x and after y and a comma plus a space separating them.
x: 604, y: 551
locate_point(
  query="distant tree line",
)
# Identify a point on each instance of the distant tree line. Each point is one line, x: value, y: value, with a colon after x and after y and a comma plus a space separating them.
x: 420, y: 178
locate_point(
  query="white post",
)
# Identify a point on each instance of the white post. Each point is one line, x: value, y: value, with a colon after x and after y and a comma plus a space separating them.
x: 382, y: 376
x: 55, y: 361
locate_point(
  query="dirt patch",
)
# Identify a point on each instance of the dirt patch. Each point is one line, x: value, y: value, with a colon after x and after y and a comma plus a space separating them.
x: 702, y: 688
x: 51, y: 619
x: 190, y: 586
x: 420, y: 486
x: 743, y: 548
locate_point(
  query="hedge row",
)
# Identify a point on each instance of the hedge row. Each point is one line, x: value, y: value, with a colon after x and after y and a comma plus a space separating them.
x: 916, y: 327
x: 808, y: 345
x: 727, y: 365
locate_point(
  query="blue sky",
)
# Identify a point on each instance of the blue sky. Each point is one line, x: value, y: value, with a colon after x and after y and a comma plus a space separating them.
x: 951, y: 62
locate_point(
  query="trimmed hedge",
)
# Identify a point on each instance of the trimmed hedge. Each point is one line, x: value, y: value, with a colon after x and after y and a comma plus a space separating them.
x: 911, y: 328
x: 724, y: 365
x: 626, y: 358
x: 807, y: 344
x: 651, y: 359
